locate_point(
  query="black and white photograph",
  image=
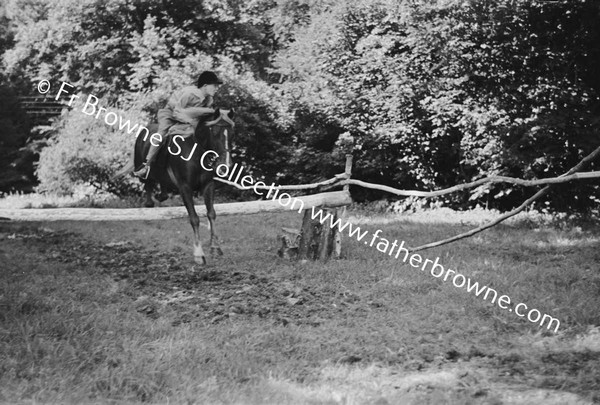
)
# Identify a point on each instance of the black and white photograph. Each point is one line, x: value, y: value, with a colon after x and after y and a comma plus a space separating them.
x: 290, y: 202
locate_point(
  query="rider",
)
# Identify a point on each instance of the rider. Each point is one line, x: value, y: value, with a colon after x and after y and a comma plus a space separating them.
x: 182, y: 113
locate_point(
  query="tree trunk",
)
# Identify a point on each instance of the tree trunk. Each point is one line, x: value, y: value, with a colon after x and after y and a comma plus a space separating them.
x: 319, y: 241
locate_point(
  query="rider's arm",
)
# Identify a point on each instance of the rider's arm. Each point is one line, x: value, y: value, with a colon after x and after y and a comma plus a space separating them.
x: 190, y: 114
x: 196, y: 112
x: 188, y: 107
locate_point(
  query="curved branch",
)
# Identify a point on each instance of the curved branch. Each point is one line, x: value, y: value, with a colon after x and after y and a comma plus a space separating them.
x: 520, y: 208
x: 338, y: 181
x: 492, y: 179
x: 486, y: 226
x: 292, y: 187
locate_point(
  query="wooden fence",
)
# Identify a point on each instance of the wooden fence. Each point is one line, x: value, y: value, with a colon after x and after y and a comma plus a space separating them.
x: 327, y: 199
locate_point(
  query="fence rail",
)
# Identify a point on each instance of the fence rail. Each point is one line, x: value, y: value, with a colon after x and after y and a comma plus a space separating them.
x: 343, y: 179
x: 329, y: 199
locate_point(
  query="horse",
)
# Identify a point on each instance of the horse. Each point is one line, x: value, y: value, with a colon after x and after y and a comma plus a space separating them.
x: 187, y: 165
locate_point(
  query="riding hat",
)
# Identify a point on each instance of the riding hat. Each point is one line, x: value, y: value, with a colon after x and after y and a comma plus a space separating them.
x: 208, y: 77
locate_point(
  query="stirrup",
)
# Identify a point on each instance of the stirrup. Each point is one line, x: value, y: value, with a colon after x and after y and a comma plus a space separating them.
x: 143, y: 172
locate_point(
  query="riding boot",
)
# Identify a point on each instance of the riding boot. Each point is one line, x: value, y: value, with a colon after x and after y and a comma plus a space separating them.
x: 144, y: 171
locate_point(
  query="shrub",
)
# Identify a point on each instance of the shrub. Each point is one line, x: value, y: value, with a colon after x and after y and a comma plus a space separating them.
x: 87, y: 151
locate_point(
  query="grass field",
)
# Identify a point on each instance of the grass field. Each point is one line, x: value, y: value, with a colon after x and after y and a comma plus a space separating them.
x: 116, y: 312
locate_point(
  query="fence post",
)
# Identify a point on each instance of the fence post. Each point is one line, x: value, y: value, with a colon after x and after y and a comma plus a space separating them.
x: 314, y: 240
x: 348, y: 170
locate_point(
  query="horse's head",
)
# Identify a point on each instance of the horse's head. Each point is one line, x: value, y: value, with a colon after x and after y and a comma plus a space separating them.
x: 220, y: 133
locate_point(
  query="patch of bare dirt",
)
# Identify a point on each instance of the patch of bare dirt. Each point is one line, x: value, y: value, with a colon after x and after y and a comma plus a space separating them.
x: 161, y: 282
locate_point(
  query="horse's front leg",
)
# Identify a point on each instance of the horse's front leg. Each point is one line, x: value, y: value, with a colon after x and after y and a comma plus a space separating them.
x: 188, y: 199
x: 209, y: 198
x: 163, y: 195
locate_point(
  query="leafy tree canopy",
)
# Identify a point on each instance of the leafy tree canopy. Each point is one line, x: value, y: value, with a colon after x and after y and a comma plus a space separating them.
x: 424, y: 94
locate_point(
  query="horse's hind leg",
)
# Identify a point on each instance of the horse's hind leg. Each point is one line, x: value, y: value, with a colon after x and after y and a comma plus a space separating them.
x: 209, y: 196
x: 148, y: 188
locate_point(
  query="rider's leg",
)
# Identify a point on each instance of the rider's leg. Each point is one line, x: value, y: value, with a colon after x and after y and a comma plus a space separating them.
x: 152, y: 152
x: 145, y: 169
x: 165, y: 120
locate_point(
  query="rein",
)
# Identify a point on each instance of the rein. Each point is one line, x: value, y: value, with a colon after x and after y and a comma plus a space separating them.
x: 223, y: 117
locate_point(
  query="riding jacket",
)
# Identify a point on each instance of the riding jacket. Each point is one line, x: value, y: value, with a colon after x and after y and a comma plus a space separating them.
x: 182, y: 124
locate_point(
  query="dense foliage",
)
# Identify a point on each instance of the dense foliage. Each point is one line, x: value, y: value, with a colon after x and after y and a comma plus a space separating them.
x: 424, y: 94
x: 447, y: 92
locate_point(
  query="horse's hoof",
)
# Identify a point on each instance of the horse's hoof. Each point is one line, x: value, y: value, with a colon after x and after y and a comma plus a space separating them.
x: 149, y: 204
x: 201, y: 260
x: 216, y: 251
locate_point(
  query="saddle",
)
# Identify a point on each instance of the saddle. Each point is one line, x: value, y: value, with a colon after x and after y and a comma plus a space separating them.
x: 161, y: 156
x: 160, y: 164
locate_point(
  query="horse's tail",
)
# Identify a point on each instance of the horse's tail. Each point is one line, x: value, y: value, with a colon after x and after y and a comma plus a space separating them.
x: 128, y: 168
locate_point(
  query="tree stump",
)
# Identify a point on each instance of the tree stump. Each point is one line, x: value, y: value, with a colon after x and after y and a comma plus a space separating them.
x: 319, y: 241
x: 290, y: 239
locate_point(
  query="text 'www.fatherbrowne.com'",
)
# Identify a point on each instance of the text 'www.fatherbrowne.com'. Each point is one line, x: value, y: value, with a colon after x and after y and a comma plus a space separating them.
x: 436, y: 269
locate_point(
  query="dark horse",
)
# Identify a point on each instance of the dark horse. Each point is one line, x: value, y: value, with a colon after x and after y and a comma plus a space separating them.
x: 179, y: 167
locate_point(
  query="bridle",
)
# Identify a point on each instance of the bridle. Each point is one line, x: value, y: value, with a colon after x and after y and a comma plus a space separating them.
x: 211, y: 124
x: 224, y: 116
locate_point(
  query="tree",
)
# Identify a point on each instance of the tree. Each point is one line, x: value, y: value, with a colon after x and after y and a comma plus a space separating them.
x: 432, y: 94
x: 133, y: 55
